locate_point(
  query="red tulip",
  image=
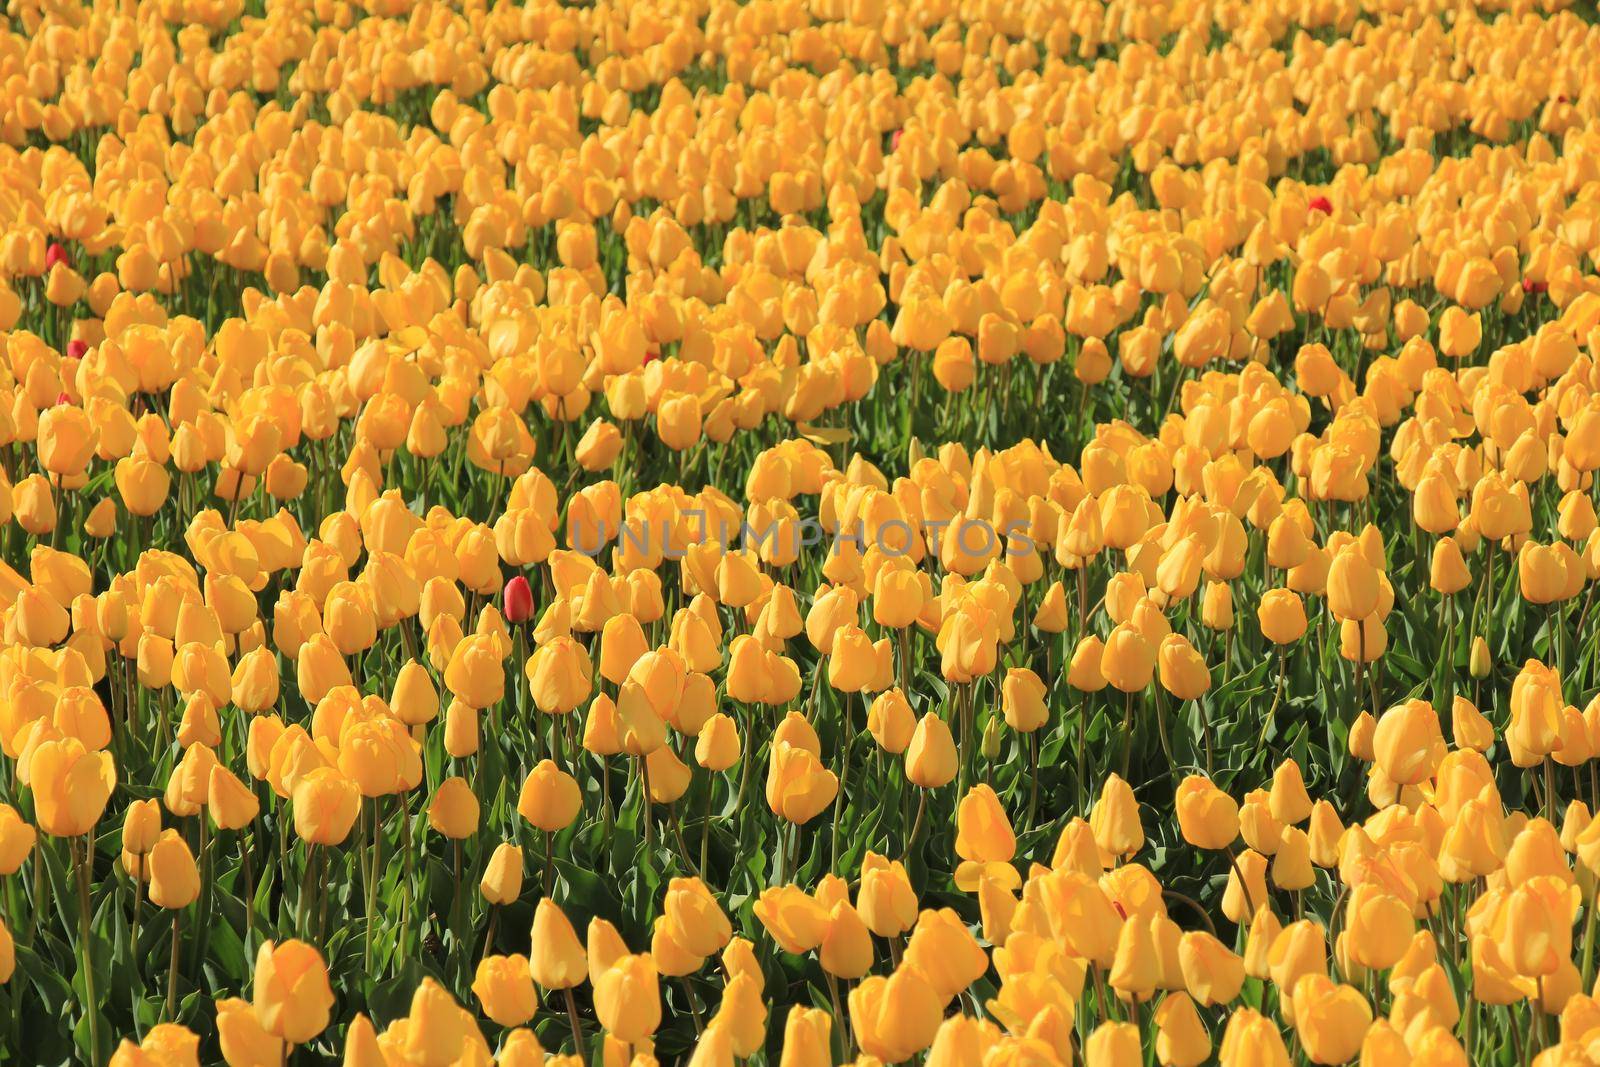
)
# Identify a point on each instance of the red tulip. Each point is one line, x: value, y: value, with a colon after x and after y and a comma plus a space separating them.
x: 517, y: 600
x: 1531, y: 286
x: 54, y: 254
x: 76, y: 349
x: 1322, y: 204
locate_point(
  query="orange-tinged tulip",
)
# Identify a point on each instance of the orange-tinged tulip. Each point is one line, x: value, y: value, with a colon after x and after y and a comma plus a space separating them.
x: 931, y: 759
x: 505, y: 989
x: 1207, y: 817
x: 550, y: 798
x: 799, y: 787
x: 293, y: 998
x: 896, y: 1017
x: 557, y: 959
x: 70, y: 786
x: 502, y: 875
x: 627, y: 998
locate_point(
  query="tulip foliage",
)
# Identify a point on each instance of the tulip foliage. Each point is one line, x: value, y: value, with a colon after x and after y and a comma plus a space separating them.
x: 799, y: 534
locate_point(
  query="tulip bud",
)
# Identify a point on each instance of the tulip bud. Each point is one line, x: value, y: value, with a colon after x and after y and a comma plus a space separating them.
x: 1478, y: 660
x: 990, y: 746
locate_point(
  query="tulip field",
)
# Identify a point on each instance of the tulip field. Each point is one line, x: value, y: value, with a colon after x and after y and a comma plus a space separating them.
x: 1015, y: 533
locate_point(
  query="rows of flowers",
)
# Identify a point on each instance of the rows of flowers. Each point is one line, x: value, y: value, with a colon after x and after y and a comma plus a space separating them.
x: 1001, y: 534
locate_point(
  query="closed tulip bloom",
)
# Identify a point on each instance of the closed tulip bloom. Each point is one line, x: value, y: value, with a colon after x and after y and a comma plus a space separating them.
x: 504, y: 987
x: 742, y: 1016
x: 1129, y: 660
x: 1257, y: 825
x: 1136, y: 969
x: 1265, y: 931
x: 895, y: 1018
x: 846, y: 949
x: 174, y: 878
x: 1434, y: 507
x: 1023, y: 700
x: 1182, y: 1039
x: 627, y: 999
x: 141, y: 826
x: 943, y: 950
x: 1352, y: 585
x: 255, y: 682
x: 718, y: 748
x: 852, y: 662
x: 1300, y: 949
x: 1541, y: 574
x: 242, y: 1037
x: 230, y: 803
x: 1447, y: 570
x: 1291, y: 860
x: 799, y: 787
x: 454, y: 809
x: 807, y: 1038
x: 70, y: 786
x: 1408, y: 743
x: 1207, y: 817
x: 984, y: 839
x: 890, y: 721
x: 794, y: 918
x: 696, y: 920
x: 1469, y: 727
x: 1282, y: 616
x: 931, y: 759
x: 1211, y: 972
x: 622, y: 642
x: 1113, y: 1044
x: 599, y: 447
x: 474, y: 674
x: 17, y: 838
x: 550, y: 798
x: 1184, y: 673
x: 66, y: 440
x: 557, y: 959
x: 1331, y: 1019
x: 886, y: 901
x: 521, y: 1048
x: 1216, y: 610
x: 1115, y: 820
x: 1250, y: 1038
x: 292, y: 996
x: 461, y: 736
x: 326, y: 804
x: 1247, y: 886
x: 559, y: 675
x: 516, y: 600
x: 1379, y: 926
x: 414, y: 700
x: 502, y: 875
x: 1084, y: 674
x: 439, y: 1030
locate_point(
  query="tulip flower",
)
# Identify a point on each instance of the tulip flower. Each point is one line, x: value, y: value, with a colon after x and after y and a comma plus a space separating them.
x: 293, y: 998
